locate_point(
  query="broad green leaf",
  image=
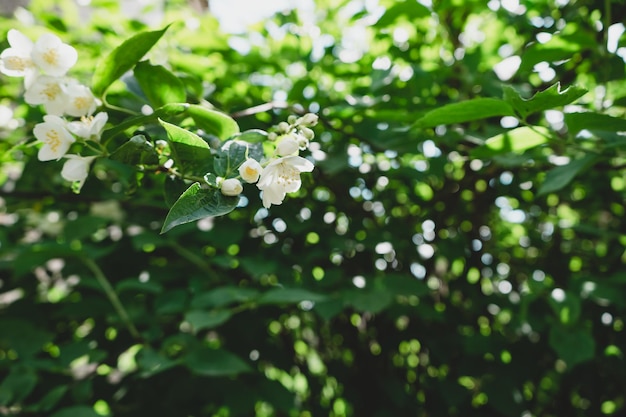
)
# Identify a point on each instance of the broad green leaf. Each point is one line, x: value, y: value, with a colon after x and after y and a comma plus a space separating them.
x: 214, y: 122
x: 231, y: 155
x: 547, y: 99
x: 200, y: 319
x: 373, y: 301
x: 122, y: 59
x: 559, y: 177
x: 151, y: 362
x: 568, y: 308
x: 252, y: 136
x: 188, y: 149
x: 290, y: 296
x: 52, y: 398
x: 465, y: 111
x: 171, y: 109
x: 173, y: 188
x: 558, y: 48
x: 223, y: 296
x: 159, y: 85
x: 197, y: 203
x: 215, y: 362
x: 594, y: 121
x: 516, y: 140
x: 573, y: 345
x: 171, y: 302
x: 17, y: 385
x: 136, y: 151
x: 22, y: 336
x: 76, y: 411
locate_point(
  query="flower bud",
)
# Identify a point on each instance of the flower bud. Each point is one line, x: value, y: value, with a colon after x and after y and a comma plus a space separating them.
x: 292, y: 119
x: 309, y: 119
x: 283, y: 127
x: 231, y: 187
x: 272, y: 136
x: 250, y: 170
x: 307, y: 133
x: 287, y: 146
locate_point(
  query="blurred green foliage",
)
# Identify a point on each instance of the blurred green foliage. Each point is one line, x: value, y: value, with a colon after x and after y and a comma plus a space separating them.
x: 458, y: 250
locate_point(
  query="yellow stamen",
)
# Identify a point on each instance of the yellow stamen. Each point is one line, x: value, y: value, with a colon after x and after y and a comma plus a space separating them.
x: 51, y: 56
x: 53, y: 140
x: 51, y: 91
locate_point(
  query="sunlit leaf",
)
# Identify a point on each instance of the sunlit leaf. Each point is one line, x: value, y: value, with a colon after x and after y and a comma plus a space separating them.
x: 550, y: 98
x: 216, y: 123
x: 465, y: 111
x: 516, y: 140
x: 159, y: 85
x: 122, y: 59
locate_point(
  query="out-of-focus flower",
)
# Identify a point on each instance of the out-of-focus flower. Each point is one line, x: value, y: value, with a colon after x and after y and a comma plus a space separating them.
x: 49, y: 91
x: 250, y: 170
x: 281, y: 176
x: 288, y: 145
x: 309, y: 119
x: 231, y: 187
x: 80, y: 99
x: 16, y: 61
x: 56, y: 138
x: 89, y: 127
x: 76, y: 168
x: 53, y: 56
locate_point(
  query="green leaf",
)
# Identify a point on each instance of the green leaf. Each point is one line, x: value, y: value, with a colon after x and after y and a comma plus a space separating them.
x: 17, y: 385
x: 223, y: 296
x: 373, y: 301
x: 151, y: 362
x: 76, y: 411
x: 517, y: 140
x: 574, y: 346
x: 136, y: 151
x: 188, y: 149
x: 559, y: 177
x: 215, y: 362
x: 547, y: 99
x: 290, y: 296
x: 216, y: 123
x: 201, y: 320
x: 411, y: 9
x: 197, y: 203
x: 465, y: 111
x: 51, y: 399
x: 159, y: 85
x: 122, y: 59
x: 594, y: 121
x: 173, y: 188
x: 229, y: 157
x: 252, y: 136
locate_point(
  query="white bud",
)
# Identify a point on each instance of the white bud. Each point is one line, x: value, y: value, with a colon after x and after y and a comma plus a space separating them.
x: 287, y: 146
x: 283, y: 127
x: 231, y: 187
x: 250, y: 170
x: 307, y: 133
x: 309, y: 119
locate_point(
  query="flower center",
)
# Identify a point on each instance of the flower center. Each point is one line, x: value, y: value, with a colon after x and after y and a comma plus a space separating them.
x: 16, y: 63
x: 51, y: 91
x: 288, y: 175
x: 82, y: 103
x: 53, y: 140
x: 51, y: 56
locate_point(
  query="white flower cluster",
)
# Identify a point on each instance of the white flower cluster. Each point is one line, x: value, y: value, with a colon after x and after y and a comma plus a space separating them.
x: 43, y: 65
x: 281, y: 173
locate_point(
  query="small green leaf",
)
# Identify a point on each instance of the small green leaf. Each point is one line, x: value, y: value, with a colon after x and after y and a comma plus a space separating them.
x: 200, y: 319
x: 290, y: 296
x: 17, y: 385
x: 559, y: 177
x: 547, y: 99
x: 188, y: 149
x: 466, y: 111
x: 223, y: 296
x: 160, y: 86
x: 516, y: 140
x: 573, y: 345
x: 216, y: 123
x: 136, y: 151
x: 76, y: 411
x: 122, y: 59
x: 252, y: 136
x: 230, y: 156
x: 411, y: 9
x: 151, y: 362
x: 197, y: 203
x: 52, y: 398
x: 373, y: 301
x: 215, y: 362
x: 594, y: 121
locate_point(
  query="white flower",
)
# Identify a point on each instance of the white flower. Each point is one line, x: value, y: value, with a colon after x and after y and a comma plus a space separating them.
x: 250, y: 170
x: 80, y: 99
x: 49, y: 91
x: 16, y: 61
x: 89, y: 127
x: 288, y: 145
x: 231, y: 187
x: 76, y: 168
x: 57, y: 140
x: 282, y: 176
x: 53, y: 56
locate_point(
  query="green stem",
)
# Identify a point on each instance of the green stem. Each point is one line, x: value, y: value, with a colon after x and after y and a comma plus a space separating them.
x: 113, y: 298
